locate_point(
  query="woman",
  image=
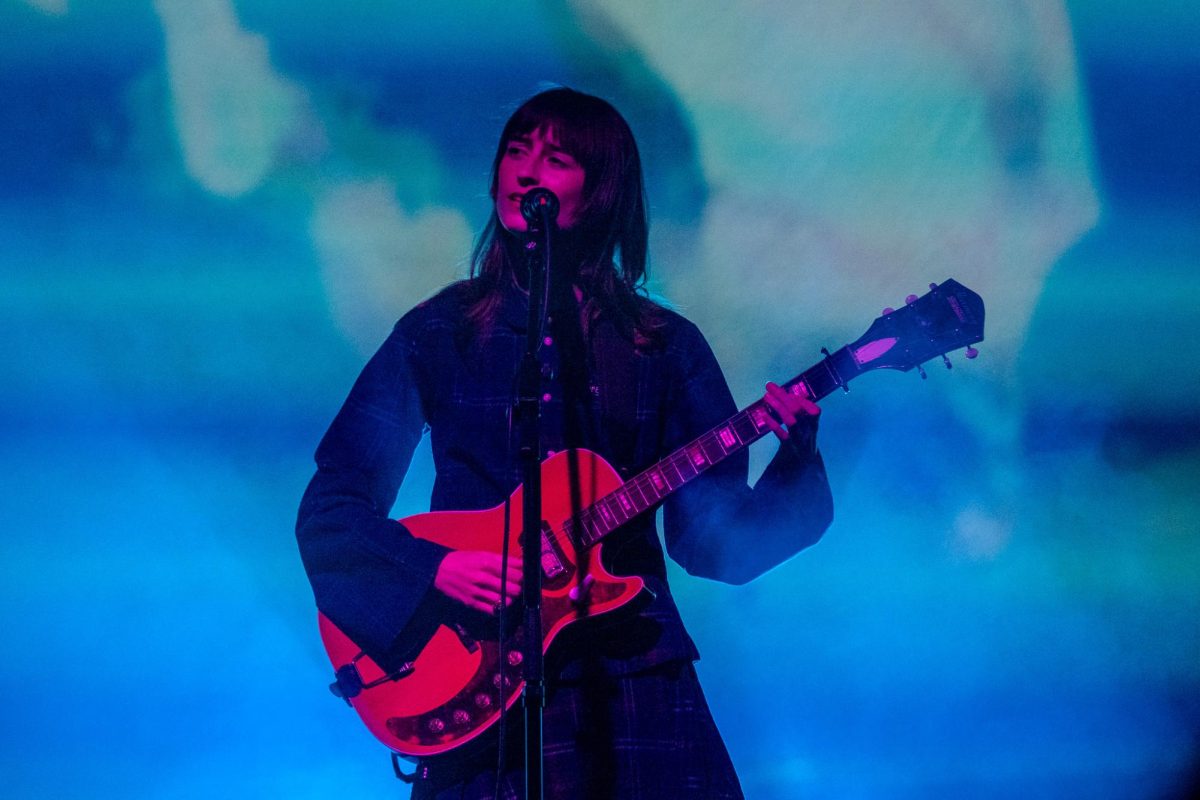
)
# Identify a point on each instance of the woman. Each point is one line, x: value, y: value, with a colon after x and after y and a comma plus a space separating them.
x: 621, y: 376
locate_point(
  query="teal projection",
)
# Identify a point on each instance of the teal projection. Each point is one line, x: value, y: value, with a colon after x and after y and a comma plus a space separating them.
x: 213, y: 211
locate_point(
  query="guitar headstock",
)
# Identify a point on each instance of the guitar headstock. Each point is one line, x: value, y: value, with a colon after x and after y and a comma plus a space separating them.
x: 946, y: 318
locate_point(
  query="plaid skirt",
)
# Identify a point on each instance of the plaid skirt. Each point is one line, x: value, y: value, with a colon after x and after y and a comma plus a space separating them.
x: 644, y: 736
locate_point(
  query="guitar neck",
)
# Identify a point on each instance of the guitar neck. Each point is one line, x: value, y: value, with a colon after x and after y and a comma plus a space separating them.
x: 651, y: 486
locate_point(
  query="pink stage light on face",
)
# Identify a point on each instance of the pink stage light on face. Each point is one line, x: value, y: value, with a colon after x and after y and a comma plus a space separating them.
x: 536, y: 161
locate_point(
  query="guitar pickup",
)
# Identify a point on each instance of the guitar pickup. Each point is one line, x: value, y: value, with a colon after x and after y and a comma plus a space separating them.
x: 552, y: 565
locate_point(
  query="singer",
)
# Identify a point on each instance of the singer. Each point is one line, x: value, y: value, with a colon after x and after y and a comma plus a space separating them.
x: 621, y: 376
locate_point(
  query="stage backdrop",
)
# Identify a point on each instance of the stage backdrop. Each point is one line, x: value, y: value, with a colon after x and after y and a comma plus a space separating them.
x: 214, y: 210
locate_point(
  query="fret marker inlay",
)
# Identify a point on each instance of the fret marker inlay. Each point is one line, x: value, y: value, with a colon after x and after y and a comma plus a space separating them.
x: 728, y: 439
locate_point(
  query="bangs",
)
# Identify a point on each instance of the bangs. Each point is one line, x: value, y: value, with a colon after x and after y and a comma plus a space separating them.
x: 576, y: 133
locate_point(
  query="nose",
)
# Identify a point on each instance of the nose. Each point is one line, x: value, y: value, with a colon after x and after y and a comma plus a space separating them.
x: 529, y: 173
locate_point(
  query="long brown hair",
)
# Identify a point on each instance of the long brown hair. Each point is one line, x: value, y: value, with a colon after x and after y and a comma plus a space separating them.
x: 609, y: 240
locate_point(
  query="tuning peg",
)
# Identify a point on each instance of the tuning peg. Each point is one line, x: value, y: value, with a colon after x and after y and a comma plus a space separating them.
x: 971, y: 352
x: 921, y: 370
x: 912, y: 298
x: 946, y: 361
x: 888, y: 310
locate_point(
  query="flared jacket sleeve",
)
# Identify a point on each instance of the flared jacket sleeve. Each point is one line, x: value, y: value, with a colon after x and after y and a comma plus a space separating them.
x: 718, y: 527
x: 368, y: 573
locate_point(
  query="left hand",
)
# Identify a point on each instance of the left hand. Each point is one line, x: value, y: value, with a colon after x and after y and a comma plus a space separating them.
x: 789, y: 408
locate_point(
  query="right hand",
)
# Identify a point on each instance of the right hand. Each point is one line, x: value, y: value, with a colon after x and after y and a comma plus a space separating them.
x: 472, y: 577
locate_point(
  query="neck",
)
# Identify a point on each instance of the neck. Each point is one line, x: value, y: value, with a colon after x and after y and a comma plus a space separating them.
x: 568, y: 253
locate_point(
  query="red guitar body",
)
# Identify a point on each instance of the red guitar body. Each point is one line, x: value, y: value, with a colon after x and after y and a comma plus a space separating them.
x: 452, y: 693
x: 453, y: 690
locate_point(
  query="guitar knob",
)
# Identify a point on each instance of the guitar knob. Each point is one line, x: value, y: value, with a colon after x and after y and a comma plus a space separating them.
x: 436, y: 725
x: 888, y: 310
x: 579, y: 594
x: 461, y: 717
x: 912, y: 298
x: 483, y: 699
x: 496, y: 680
x: 514, y: 657
x: 971, y: 352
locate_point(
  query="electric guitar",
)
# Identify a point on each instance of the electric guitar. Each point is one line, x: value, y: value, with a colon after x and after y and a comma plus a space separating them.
x: 454, y: 688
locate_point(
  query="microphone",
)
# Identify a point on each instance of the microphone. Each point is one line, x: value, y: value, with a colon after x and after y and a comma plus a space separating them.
x: 539, y: 207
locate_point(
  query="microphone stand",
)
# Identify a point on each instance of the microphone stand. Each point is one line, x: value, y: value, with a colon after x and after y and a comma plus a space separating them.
x: 540, y: 207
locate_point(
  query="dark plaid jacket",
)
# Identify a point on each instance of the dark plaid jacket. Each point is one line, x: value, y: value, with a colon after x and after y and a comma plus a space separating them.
x: 370, y: 576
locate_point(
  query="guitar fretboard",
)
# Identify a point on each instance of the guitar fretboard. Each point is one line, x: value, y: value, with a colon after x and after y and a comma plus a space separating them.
x: 651, y: 486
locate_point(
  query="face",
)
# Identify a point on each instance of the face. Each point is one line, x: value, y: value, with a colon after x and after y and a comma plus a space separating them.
x: 531, y: 162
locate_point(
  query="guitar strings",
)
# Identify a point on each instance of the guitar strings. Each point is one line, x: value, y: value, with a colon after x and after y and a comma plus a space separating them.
x: 646, y: 487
